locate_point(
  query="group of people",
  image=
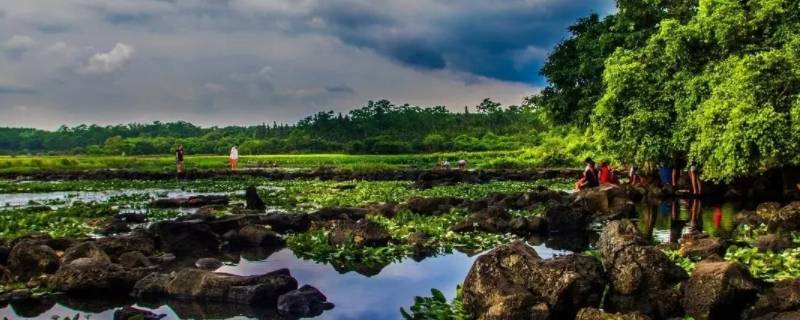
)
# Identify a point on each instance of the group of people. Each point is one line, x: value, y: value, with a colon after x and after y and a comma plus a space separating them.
x: 233, y: 158
x: 605, y: 174
x: 445, y: 165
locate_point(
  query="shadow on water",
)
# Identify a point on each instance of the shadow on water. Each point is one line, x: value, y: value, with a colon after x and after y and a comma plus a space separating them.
x: 355, y: 295
x: 667, y: 220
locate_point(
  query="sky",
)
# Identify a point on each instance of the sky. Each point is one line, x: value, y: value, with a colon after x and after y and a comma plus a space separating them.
x: 228, y: 62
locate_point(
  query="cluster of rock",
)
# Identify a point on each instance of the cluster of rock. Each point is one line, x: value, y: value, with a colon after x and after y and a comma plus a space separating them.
x: 633, y: 279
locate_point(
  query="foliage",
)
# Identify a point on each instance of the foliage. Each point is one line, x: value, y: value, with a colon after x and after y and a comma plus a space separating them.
x: 720, y: 87
x: 769, y: 266
x: 71, y: 221
x: 675, y: 256
x: 436, y: 307
x: 314, y: 245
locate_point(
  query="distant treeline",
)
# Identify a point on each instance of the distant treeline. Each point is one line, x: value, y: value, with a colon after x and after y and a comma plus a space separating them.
x: 379, y: 127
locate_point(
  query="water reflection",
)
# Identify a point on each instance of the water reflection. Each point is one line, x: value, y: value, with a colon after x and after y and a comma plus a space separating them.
x: 668, y: 220
x: 356, y: 296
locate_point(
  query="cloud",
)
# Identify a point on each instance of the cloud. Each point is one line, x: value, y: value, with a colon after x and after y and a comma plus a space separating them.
x: 110, y: 61
x: 9, y: 90
x: 344, y: 89
x: 18, y: 44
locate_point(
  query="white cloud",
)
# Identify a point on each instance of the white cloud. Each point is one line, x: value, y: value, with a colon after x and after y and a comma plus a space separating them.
x: 110, y: 61
x: 18, y: 44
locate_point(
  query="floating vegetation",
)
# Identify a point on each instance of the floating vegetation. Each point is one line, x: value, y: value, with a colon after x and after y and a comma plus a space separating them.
x: 436, y: 307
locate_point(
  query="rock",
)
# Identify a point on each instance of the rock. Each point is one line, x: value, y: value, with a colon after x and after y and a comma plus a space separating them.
x: 193, y: 201
x: 337, y: 213
x: 186, y: 237
x: 791, y: 315
x: 16, y: 296
x: 115, y: 227
x: 419, y: 239
x: 772, y: 242
x: 642, y: 277
x: 597, y: 314
x: 4, y: 250
x: 492, y: 219
x: 388, y: 210
x: 512, y: 282
x: 287, y: 223
x: 255, y: 235
x: 131, y: 217
x: 718, y: 290
x: 131, y: 313
x: 209, y: 264
x: 136, y: 241
x: 85, y: 250
x: 29, y: 259
x: 360, y: 233
x: 88, y: 275
x: 305, y: 302
x: 134, y: 259
x: 432, y: 206
x: 5, y: 275
x: 252, y: 199
x: 788, y: 217
x: 784, y: 296
x: 701, y: 247
x: 228, y: 223
x: 210, y: 286
x: 747, y: 217
x: 563, y: 218
x: 768, y: 212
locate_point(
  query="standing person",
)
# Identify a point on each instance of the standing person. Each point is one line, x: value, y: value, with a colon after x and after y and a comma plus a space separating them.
x: 633, y: 176
x: 694, y: 176
x: 233, y: 158
x: 179, y: 158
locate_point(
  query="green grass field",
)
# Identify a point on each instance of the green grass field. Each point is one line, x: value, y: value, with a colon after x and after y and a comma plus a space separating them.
x: 479, y: 160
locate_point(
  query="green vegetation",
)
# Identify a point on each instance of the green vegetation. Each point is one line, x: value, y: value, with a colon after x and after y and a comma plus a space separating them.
x: 769, y: 266
x: 436, y: 307
x: 72, y: 221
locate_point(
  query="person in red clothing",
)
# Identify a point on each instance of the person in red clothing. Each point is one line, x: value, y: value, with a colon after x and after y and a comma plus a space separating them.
x: 606, y: 175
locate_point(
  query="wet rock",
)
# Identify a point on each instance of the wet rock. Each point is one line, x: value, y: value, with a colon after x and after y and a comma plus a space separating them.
x: 252, y: 199
x: 512, y: 282
x: 718, y: 290
x: 304, y: 302
x: 597, y: 314
x: 773, y: 242
x: 256, y: 235
x: 85, y: 250
x: 388, y: 210
x: 701, y: 246
x: 642, y: 277
x: 131, y: 313
x: 782, y: 298
x: 287, y: 223
x: 87, y: 275
x: 563, y: 218
x: 432, y: 206
x: 134, y: 259
x: 337, y: 213
x: 209, y: 264
x: 186, y: 237
x: 136, y: 241
x: 29, y: 258
x: 193, y: 201
x: 360, y: 233
x: 210, y: 286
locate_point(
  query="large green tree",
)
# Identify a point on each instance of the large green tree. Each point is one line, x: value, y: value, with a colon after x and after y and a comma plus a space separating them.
x: 720, y: 88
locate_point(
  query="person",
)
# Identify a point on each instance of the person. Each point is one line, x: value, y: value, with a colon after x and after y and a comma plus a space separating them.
x: 589, y: 179
x: 665, y: 174
x: 446, y: 165
x: 694, y: 176
x: 633, y: 175
x: 179, y: 158
x: 233, y: 158
x: 462, y: 164
x: 606, y: 175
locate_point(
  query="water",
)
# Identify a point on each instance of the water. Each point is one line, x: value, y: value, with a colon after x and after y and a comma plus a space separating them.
x: 356, y: 296
x: 67, y: 197
x: 668, y: 220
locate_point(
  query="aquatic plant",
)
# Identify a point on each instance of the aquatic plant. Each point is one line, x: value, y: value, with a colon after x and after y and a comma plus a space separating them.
x: 436, y: 307
x: 769, y: 266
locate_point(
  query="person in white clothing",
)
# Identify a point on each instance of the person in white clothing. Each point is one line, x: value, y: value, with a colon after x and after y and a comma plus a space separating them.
x: 233, y: 158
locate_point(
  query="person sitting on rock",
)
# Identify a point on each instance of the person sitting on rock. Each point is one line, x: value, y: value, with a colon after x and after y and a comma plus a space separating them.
x: 589, y: 179
x: 446, y: 165
x: 606, y: 175
x: 462, y: 164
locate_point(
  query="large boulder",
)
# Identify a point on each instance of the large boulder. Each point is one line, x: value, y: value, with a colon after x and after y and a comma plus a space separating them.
x: 252, y: 200
x: 131, y: 313
x: 339, y: 213
x: 783, y: 297
x: 773, y: 242
x: 181, y: 237
x: 360, y: 233
x: 597, y: 314
x: 136, y: 241
x: 204, y: 285
x: 193, y: 201
x: 512, y: 282
x: 85, y: 250
x: 30, y: 258
x: 432, y: 206
x: 256, y: 235
x: 788, y: 217
x: 608, y: 201
x: 493, y: 219
x: 284, y: 223
x: 134, y: 259
x: 718, y: 290
x: 642, y: 277
x: 700, y: 246
x: 564, y: 218
x: 93, y: 275
x: 304, y: 302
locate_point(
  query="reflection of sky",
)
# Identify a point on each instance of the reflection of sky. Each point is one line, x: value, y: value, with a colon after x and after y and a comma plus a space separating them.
x: 356, y: 296
x: 23, y: 199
